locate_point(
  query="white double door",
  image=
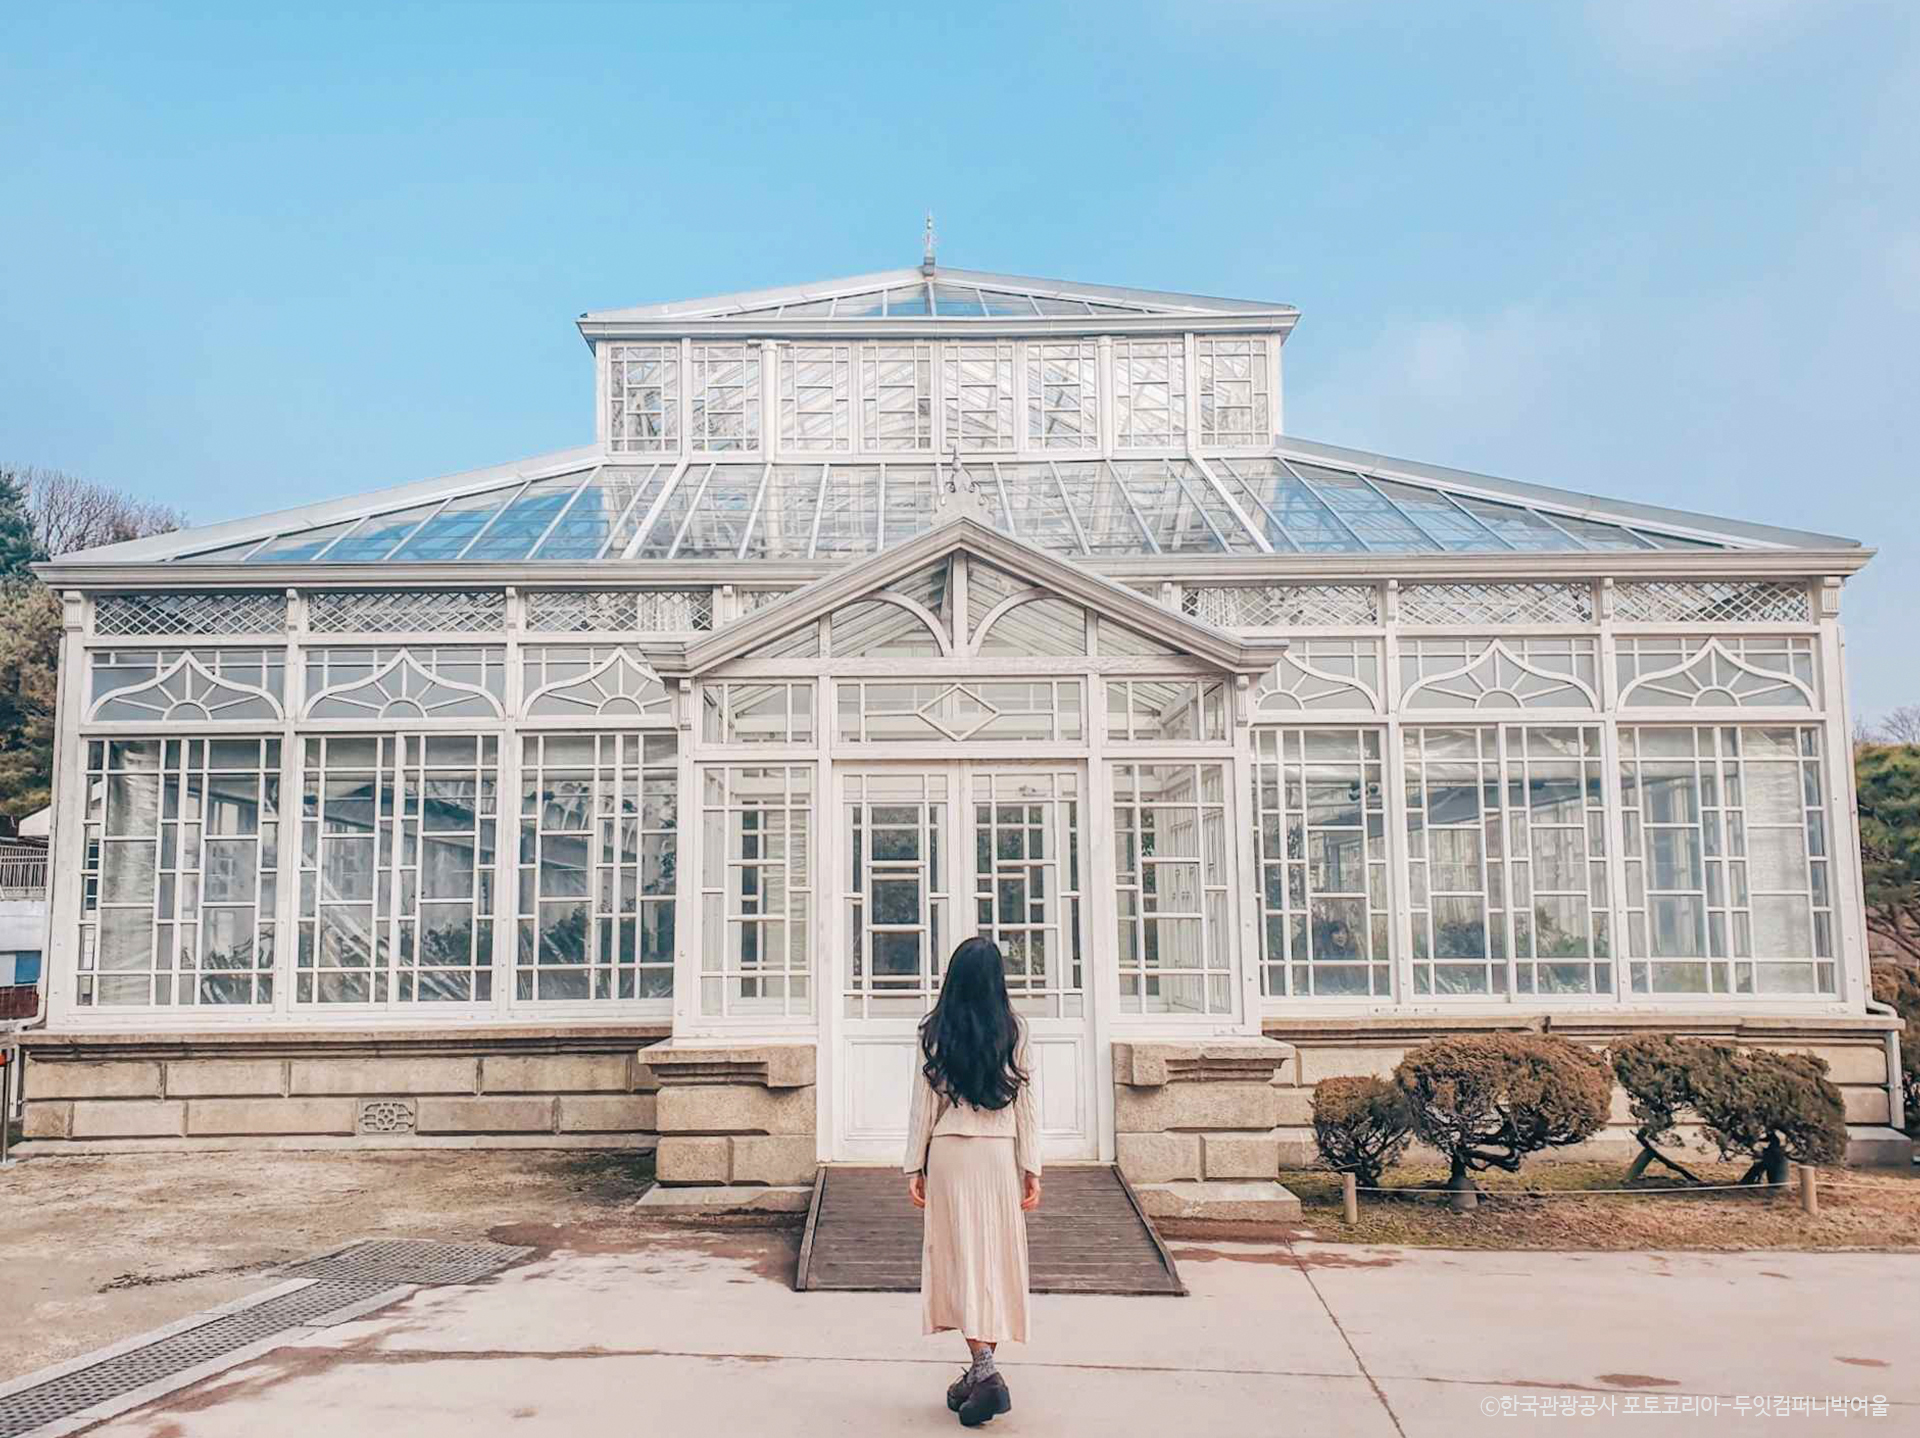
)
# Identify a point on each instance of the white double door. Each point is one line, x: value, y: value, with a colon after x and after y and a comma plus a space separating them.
x: 928, y: 855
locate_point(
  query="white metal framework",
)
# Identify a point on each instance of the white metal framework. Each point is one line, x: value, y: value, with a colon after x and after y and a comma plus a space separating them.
x: 885, y: 612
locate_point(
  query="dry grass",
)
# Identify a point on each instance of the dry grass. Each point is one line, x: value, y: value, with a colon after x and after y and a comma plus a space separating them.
x: 1859, y: 1209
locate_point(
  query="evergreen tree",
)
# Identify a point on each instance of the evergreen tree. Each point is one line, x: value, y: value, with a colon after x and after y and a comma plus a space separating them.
x: 1887, y: 777
x: 18, y: 547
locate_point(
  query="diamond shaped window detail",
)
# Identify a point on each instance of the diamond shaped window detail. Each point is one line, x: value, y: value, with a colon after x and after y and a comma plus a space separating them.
x: 958, y: 712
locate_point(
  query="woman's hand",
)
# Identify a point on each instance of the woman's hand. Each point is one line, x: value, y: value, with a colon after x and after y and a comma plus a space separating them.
x: 1030, y: 1196
x: 917, y: 1190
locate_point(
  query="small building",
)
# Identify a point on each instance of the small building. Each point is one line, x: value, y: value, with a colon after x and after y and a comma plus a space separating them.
x: 636, y: 793
x: 23, y: 914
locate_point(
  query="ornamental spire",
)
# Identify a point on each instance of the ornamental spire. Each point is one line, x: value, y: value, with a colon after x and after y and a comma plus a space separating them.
x: 926, y: 258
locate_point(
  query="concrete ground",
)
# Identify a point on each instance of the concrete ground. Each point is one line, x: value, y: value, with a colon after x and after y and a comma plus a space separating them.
x: 684, y: 1331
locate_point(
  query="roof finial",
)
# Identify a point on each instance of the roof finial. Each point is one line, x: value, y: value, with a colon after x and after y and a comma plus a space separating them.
x: 926, y: 259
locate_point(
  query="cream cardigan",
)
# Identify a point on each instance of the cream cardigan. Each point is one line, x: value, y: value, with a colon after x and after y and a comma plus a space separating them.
x: 933, y: 1116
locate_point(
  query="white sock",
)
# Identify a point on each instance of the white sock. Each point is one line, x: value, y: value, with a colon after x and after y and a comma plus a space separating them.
x: 982, y: 1365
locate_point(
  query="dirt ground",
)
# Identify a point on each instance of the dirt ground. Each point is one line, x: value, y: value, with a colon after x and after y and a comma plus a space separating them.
x: 93, y: 1250
x: 1876, y: 1209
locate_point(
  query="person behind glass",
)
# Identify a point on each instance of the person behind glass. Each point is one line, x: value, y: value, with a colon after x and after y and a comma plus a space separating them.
x: 973, y: 1163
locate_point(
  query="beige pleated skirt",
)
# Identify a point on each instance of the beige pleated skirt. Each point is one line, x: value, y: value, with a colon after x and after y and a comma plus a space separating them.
x: 973, y: 1258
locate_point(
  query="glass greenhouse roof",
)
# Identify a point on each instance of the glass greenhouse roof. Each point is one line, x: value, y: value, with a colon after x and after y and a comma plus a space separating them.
x: 940, y: 292
x: 1279, y: 503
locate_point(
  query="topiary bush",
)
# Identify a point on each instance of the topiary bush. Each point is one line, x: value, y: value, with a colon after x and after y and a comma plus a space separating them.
x: 1898, y: 986
x: 1361, y: 1125
x: 1771, y: 1107
x: 1657, y: 1073
x: 1487, y: 1102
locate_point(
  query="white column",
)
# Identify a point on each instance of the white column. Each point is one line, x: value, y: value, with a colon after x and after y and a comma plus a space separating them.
x: 66, y: 836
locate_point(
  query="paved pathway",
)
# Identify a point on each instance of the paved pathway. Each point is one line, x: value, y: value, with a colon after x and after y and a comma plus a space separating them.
x: 699, y: 1334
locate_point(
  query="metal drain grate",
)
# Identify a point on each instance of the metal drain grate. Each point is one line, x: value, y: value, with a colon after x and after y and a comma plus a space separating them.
x: 341, y: 1280
x: 101, y: 1382
x: 393, y: 1261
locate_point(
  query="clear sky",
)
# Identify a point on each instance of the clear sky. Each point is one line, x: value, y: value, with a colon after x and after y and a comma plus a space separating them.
x: 257, y: 254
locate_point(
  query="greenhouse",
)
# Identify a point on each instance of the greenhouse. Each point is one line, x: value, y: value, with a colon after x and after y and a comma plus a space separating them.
x: 634, y: 794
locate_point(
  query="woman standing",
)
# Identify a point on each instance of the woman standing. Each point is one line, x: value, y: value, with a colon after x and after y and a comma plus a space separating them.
x: 973, y: 1163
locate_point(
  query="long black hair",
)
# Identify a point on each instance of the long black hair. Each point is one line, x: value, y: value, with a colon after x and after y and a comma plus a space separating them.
x: 967, y: 1042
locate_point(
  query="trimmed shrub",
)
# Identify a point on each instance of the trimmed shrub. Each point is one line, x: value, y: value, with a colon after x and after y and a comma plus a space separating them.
x: 1898, y: 985
x: 1487, y: 1102
x: 1771, y: 1107
x: 1361, y: 1125
x: 1657, y: 1073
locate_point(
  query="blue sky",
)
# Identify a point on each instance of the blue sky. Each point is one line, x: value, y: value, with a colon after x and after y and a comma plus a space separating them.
x: 257, y: 254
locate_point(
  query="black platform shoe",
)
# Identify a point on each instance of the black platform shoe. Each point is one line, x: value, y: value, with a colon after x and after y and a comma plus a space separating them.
x: 958, y: 1390
x: 988, y: 1400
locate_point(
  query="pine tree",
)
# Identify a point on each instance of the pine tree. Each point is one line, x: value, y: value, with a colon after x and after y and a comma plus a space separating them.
x: 18, y: 548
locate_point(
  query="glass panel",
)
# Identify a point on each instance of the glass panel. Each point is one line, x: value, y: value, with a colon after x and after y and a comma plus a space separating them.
x: 896, y: 396
x: 1149, y: 393
x: 178, y: 883
x: 979, y: 395
x: 513, y: 535
x: 784, y: 529
x: 1295, y: 516
x: 1063, y: 399
x: 1364, y: 511
x: 679, y: 503
x: 816, y: 397
x: 756, y: 887
x: 300, y: 546
x: 725, y: 380
x: 717, y: 527
x: 643, y: 397
x: 849, y: 512
x: 599, y: 835
x: 897, y: 899
x: 399, y: 854
x: 378, y: 536
x: 956, y: 300
x: 1726, y: 860
x: 1319, y: 832
x: 1171, y: 880
x: 1451, y: 526
x: 453, y: 528
x: 1521, y: 528
x: 605, y: 516
x: 1026, y: 885
x: 1234, y: 382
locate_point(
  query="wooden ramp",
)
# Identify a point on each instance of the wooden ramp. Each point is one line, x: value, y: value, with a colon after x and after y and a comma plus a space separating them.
x: 1089, y: 1236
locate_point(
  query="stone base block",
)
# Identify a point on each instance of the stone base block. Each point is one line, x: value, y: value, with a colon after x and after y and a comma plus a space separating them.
x: 1240, y: 1155
x: 706, y: 1201
x: 517, y: 1086
x: 1880, y: 1148
x: 1252, y: 1201
x: 1158, y: 1157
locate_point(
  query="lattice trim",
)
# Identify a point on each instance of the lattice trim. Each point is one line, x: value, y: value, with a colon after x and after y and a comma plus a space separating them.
x: 187, y: 692
x: 407, y: 611
x: 620, y: 611
x: 1712, y: 601
x: 1496, y: 604
x: 618, y: 686
x: 246, y: 611
x: 1502, y: 677
x: 754, y: 600
x: 403, y: 689
x: 1276, y: 606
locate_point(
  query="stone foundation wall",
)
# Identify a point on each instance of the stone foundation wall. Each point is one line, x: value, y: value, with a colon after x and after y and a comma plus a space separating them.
x: 735, y: 1115
x: 478, y: 1088
x: 1854, y: 1048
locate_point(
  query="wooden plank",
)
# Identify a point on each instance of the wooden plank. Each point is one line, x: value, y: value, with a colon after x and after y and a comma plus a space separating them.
x: 803, y: 1271
x: 1092, y: 1236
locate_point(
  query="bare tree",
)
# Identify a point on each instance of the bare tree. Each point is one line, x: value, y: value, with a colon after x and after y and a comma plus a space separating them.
x: 1901, y: 726
x: 71, y: 513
